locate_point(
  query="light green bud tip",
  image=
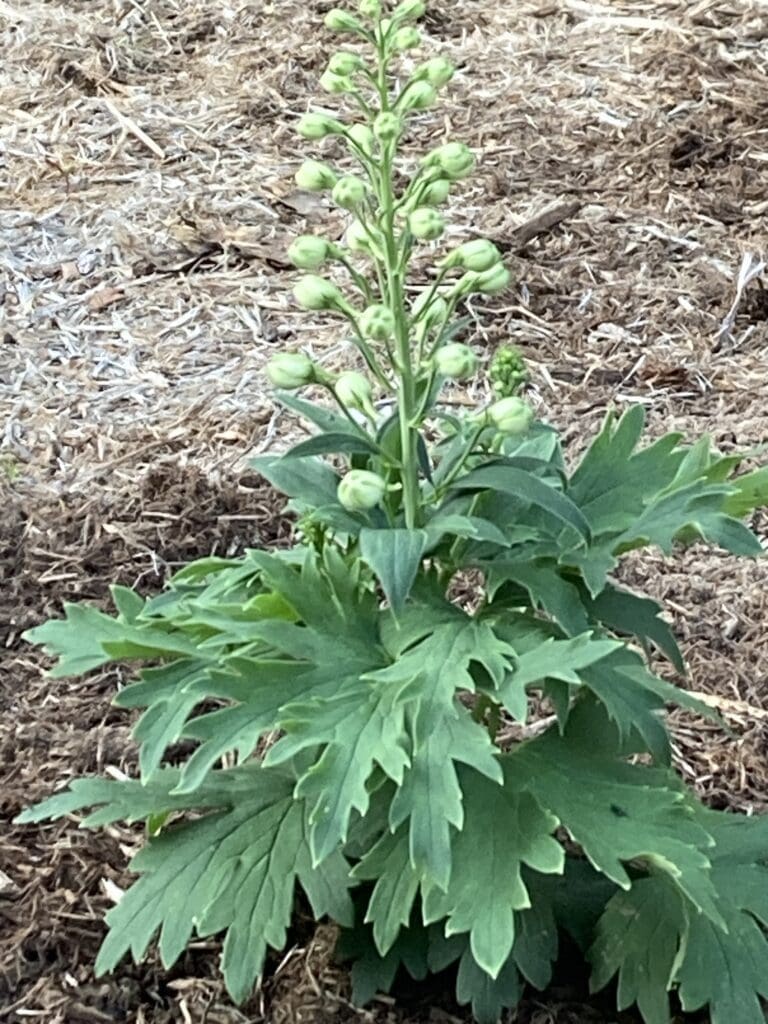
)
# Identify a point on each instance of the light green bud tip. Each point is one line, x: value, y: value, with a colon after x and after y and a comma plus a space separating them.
x: 370, y: 8
x: 511, y: 416
x: 436, y: 192
x: 426, y: 223
x: 349, y: 192
x: 315, y: 176
x: 437, y: 71
x: 317, y: 126
x: 354, y: 391
x: 454, y: 159
x: 343, y: 63
x: 429, y: 315
x: 479, y: 255
x: 313, y: 292
x: 308, y: 252
x: 386, y: 126
x: 456, y: 361
x: 338, y: 20
x: 363, y: 137
x: 358, y: 239
x: 377, y: 322
x: 409, y: 10
x: 336, y: 83
x: 360, y: 490
x: 418, y: 96
x: 290, y: 370
x: 406, y: 38
x: 494, y: 280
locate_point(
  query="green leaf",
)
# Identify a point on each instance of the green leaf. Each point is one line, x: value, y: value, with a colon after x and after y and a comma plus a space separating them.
x: 332, y: 444
x: 502, y: 831
x: 750, y: 492
x: 391, y: 903
x: 545, y: 586
x: 640, y: 935
x: 527, y: 487
x: 326, y: 419
x: 308, y: 479
x: 488, y: 996
x: 128, y: 603
x: 631, y: 615
x: 395, y: 556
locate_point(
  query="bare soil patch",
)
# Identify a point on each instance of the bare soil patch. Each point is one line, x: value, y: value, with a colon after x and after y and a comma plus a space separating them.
x: 147, y: 198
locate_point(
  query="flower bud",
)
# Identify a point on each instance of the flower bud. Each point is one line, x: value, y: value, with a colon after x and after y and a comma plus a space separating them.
x: 409, y: 10
x: 308, y: 252
x: 317, y: 126
x: 315, y: 176
x: 360, y: 490
x: 349, y: 192
x: 338, y: 20
x: 313, y: 292
x: 456, y: 361
x: 479, y: 255
x: 494, y: 280
x: 290, y: 370
x: 407, y: 38
x: 454, y: 159
x: 418, y: 96
x: 436, y: 71
x: 432, y: 314
x: 353, y: 390
x: 363, y: 137
x: 370, y: 8
x: 386, y: 126
x: 436, y: 192
x: 377, y: 322
x: 511, y: 416
x: 426, y: 223
x: 358, y: 238
x: 336, y: 83
x: 344, y: 63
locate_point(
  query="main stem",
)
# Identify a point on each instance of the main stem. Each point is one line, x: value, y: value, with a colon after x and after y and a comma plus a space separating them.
x: 406, y: 397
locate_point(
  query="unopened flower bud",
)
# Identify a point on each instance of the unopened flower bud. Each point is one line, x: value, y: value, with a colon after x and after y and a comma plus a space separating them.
x: 363, y: 137
x: 361, y: 490
x: 456, y: 361
x: 361, y: 240
x: 479, y: 255
x: 437, y: 71
x: 313, y: 292
x: 317, y: 126
x: 418, y: 96
x: 454, y: 159
x: 407, y: 38
x: 429, y: 314
x: 409, y: 10
x: 353, y: 390
x: 315, y: 176
x: 494, y: 280
x: 349, y: 192
x: 386, y: 126
x: 336, y: 83
x: 436, y: 192
x: 344, y: 63
x: 511, y: 416
x: 308, y: 252
x: 290, y: 370
x: 338, y: 20
x: 426, y: 223
x: 370, y: 8
x: 377, y: 322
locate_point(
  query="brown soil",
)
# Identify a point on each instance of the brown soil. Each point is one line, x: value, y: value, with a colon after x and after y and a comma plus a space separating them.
x: 148, y: 156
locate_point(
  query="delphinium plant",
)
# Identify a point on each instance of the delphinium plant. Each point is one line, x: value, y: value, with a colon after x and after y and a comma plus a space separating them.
x: 356, y: 704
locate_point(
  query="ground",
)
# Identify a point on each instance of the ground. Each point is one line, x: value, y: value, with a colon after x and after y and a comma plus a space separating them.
x: 147, y: 199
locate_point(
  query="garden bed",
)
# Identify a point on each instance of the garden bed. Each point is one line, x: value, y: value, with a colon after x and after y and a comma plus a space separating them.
x: 149, y: 154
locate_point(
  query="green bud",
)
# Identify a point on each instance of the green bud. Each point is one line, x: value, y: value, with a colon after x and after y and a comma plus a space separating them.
x: 354, y: 391
x: 407, y: 38
x: 344, y: 63
x: 418, y: 96
x: 386, y: 126
x: 494, y: 280
x: 313, y: 292
x: 409, y: 10
x: 479, y: 255
x: 437, y: 71
x: 370, y: 8
x: 290, y: 370
x: 377, y: 322
x: 363, y: 137
x: 308, y: 252
x: 336, y: 83
x: 456, y: 361
x: 359, y: 240
x: 429, y: 315
x: 436, y: 192
x: 511, y: 416
x: 360, y: 490
x: 454, y: 159
x: 349, y: 192
x: 426, y: 223
x: 317, y: 126
x: 315, y: 176
x: 338, y: 20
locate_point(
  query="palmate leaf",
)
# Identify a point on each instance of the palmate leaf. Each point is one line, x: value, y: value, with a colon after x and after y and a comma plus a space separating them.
x: 630, y: 614
x: 395, y: 556
x: 308, y: 479
x: 488, y: 996
x: 389, y: 910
